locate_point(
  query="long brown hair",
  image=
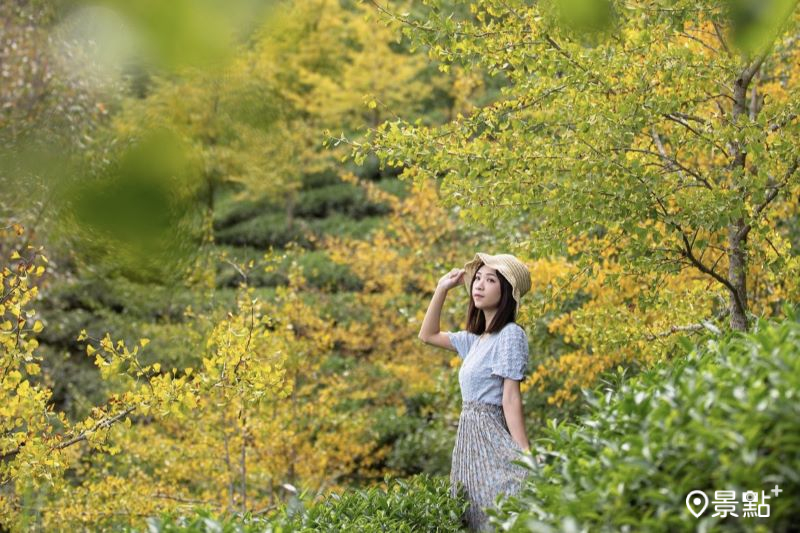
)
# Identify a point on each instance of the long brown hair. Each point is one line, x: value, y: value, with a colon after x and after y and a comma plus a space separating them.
x: 506, y: 309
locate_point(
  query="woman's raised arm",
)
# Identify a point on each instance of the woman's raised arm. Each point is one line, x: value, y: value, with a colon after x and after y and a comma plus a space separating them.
x: 430, y: 332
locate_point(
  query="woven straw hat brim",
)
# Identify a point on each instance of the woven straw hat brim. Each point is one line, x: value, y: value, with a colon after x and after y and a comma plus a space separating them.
x: 509, y: 266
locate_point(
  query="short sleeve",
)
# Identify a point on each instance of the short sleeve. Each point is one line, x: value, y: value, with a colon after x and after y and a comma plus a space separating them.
x: 511, y: 354
x: 461, y: 341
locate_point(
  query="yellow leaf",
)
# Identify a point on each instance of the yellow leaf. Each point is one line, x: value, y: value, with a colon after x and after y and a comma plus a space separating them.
x: 12, y: 379
x: 189, y: 400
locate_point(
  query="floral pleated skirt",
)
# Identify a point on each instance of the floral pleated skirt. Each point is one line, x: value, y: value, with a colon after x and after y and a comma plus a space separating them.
x: 482, y: 459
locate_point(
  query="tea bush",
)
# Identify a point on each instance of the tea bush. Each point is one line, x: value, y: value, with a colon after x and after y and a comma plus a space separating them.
x: 420, y: 503
x: 724, y: 417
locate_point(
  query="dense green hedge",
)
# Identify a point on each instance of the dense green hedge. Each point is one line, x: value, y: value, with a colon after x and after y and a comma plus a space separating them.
x: 338, y: 198
x: 420, y: 503
x: 317, y: 267
x: 330, y: 207
x: 266, y: 229
x: 724, y: 417
x: 271, y: 229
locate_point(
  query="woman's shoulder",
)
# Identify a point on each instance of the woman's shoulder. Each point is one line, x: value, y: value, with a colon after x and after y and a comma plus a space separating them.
x: 512, y: 340
x: 513, y: 329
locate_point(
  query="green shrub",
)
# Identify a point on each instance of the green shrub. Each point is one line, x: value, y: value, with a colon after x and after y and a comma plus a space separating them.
x: 203, y: 521
x: 230, y: 210
x: 318, y: 268
x: 427, y: 445
x: 313, y: 180
x: 421, y: 503
x: 724, y: 417
x: 342, y: 225
x: 321, y: 272
x: 401, y: 189
x: 340, y: 197
x: 262, y: 231
x: 129, y: 311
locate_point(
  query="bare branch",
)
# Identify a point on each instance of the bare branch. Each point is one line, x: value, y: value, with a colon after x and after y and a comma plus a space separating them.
x: 670, y: 164
x: 674, y: 329
x: 721, y: 38
x: 747, y: 75
x: 238, y: 270
x: 692, y: 37
x: 693, y: 118
x: 180, y: 499
x: 243, y: 466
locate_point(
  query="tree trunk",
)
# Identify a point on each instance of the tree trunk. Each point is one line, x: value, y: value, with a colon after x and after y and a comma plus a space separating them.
x: 737, y: 254
x: 290, y: 204
x: 737, y: 274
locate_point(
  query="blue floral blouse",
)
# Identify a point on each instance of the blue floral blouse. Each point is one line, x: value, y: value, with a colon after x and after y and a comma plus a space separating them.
x: 487, y: 362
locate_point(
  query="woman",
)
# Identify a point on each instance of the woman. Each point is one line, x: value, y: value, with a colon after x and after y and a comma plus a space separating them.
x: 494, y: 353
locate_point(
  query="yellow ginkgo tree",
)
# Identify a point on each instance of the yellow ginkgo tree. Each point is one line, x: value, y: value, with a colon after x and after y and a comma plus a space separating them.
x: 648, y: 150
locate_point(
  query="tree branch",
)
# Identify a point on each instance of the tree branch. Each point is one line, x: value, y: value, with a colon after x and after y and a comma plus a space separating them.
x: 773, y: 193
x: 674, y: 117
x: 688, y: 327
x: 721, y: 38
x: 692, y: 37
x: 663, y: 151
x: 674, y: 329
x: 778, y: 125
x: 669, y: 159
x: 569, y: 58
x: 102, y: 424
x: 416, y: 25
x: 689, y: 254
x: 180, y: 499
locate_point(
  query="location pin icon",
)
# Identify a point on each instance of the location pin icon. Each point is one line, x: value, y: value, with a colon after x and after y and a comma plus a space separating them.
x: 694, y: 500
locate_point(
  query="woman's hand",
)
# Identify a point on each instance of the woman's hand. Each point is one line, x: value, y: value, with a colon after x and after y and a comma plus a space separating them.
x: 451, y: 279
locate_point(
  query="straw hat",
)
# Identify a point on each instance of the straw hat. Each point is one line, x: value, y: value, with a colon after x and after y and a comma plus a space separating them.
x: 509, y: 266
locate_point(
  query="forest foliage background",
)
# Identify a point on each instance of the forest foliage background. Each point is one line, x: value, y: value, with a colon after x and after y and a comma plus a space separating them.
x: 223, y: 223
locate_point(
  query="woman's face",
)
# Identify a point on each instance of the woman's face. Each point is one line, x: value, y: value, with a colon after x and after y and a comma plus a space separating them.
x: 486, y: 288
